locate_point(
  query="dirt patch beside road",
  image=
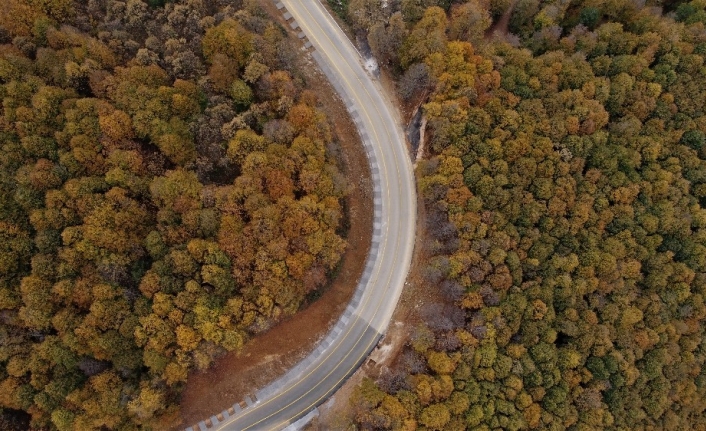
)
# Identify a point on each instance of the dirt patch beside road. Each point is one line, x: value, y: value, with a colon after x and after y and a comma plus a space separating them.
x: 269, y: 355
x: 335, y: 414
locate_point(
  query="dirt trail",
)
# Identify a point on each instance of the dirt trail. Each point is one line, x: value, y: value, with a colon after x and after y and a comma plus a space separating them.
x: 269, y: 355
x: 501, y: 27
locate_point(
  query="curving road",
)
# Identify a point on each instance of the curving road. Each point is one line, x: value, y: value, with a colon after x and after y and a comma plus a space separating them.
x: 365, y: 320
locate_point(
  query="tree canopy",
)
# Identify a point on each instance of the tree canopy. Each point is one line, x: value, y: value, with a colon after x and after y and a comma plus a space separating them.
x: 563, y: 195
x: 166, y: 192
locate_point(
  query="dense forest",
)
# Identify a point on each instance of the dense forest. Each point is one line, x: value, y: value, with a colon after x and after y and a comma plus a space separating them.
x: 167, y: 189
x: 564, y: 191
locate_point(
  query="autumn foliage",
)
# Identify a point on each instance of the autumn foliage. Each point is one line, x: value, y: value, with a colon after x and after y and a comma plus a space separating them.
x: 563, y: 192
x: 165, y: 193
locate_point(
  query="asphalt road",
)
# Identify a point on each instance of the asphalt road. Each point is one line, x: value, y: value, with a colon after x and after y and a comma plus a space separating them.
x: 369, y: 313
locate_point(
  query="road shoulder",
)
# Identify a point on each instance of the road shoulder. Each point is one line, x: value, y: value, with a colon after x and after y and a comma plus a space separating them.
x: 271, y: 354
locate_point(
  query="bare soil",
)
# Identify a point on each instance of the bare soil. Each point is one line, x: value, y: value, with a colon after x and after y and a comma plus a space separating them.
x: 500, y: 28
x: 269, y: 355
x: 336, y: 414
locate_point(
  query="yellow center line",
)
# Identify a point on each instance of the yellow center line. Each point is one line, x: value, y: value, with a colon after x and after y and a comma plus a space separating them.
x: 367, y: 298
x: 387, y: 284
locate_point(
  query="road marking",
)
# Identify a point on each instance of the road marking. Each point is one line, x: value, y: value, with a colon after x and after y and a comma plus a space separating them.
x: 368, y: 324
x: 395, y: 258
